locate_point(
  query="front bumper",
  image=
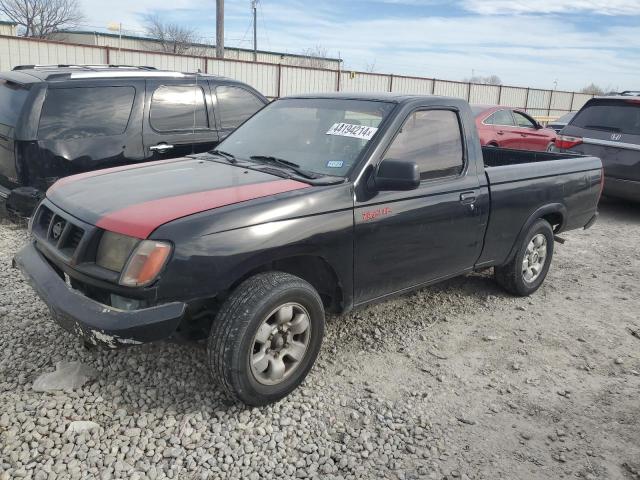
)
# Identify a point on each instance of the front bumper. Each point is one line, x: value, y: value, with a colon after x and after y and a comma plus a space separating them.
x: 21, y: 202
x: 95, y: 323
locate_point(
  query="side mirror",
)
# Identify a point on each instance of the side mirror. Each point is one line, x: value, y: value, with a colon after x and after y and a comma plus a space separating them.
x: 539, y: 126
x: 397, y: 175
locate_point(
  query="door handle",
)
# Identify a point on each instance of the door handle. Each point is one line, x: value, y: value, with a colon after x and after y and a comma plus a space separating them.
x: 500, y: 132
x: 468, y: 198
x: 161, y: 147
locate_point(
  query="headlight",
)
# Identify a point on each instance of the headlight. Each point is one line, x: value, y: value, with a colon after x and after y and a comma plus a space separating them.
x: 114, y: 250
x: 145, y: 263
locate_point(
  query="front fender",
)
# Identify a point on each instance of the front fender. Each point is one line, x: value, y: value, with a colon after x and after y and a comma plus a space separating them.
x: 208, y: 265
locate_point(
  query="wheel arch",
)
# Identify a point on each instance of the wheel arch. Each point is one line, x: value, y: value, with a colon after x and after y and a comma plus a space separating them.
x: 554, y: 213
x: 312, y: 268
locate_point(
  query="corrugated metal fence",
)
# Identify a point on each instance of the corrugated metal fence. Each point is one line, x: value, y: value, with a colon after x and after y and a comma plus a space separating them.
x: 275, y: 80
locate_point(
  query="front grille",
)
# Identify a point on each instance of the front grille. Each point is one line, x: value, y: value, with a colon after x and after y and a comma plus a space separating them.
x: 44, y: 217
x: 73, y: 239
x: 57, y: 231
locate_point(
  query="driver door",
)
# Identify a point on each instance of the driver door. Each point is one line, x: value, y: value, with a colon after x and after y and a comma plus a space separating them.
x: 407, y: 238
x: 530, y: 137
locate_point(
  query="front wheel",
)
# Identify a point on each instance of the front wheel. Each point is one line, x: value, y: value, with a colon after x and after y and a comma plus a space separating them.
x: 524, y: 274
x: 266, y: 337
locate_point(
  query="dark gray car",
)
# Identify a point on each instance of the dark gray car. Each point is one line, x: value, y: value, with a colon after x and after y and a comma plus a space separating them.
x: 609, y: 128
x: 561, y: 122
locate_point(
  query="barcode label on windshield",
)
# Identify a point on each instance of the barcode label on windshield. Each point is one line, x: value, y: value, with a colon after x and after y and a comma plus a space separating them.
x: 354, y: 131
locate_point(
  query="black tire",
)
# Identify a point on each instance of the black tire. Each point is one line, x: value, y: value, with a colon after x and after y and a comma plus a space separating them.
x: 511, y: 276
x: 231, y: 341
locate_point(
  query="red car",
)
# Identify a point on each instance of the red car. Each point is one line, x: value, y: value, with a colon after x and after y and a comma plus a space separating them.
x: 511, y: 128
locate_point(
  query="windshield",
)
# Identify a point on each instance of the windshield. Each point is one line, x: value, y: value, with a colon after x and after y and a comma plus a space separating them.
x: 325, y: 136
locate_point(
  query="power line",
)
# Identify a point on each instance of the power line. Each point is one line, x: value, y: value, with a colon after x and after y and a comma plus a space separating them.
x: 264, y: 24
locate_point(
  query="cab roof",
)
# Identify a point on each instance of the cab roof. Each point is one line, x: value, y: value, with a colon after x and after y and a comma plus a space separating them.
x: 390, y: 97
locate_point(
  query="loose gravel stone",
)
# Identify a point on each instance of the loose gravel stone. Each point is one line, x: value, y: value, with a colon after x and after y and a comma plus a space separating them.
x: 67, y: 376
x: 378, y: 403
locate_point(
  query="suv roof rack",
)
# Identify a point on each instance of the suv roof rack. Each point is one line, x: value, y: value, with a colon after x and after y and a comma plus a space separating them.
x: 82, y: 67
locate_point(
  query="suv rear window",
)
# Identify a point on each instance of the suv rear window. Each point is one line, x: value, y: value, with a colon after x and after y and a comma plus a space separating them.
x: 85, y: 112
x: 617, y: 116
x: 178, y: 108
x: 235, y: 105
x: 12, y: 98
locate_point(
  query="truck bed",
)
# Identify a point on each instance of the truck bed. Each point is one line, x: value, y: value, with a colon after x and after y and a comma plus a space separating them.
x: 504, y: 165
x: 520, y: 182
x: 500, y: 157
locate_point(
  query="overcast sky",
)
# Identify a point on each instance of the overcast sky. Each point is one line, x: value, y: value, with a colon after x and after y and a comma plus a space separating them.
x: 524, y: 42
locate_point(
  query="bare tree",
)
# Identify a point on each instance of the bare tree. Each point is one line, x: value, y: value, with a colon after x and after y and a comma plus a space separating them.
x: 315, y: 57
x: 173, y: 38
x: 489, y: 80
x: 593, y: 89
x: 41, y: 18
x: 370, y: 67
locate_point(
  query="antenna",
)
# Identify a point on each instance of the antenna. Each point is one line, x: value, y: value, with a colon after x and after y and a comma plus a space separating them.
x: 193, y: 130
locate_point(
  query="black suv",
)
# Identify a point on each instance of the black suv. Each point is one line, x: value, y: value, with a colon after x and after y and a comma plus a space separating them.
x: 60, y: 120
x: 609, y: 128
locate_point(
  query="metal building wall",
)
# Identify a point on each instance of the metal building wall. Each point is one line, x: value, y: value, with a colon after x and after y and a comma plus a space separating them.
x: 514, y: 97
x: 21, y: 51
x: 418, y: 86
x: 363, y: 82
x: 579, y: 99
x: 303, y: 80
x: 484, y: 94
x: 260, y: 76
x: 8, y: 29
x: 275, y: 80
x: 451, y: 89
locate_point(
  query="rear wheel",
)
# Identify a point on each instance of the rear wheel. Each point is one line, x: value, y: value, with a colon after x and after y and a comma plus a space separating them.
x: 266, y: 337
x: 524, y: 274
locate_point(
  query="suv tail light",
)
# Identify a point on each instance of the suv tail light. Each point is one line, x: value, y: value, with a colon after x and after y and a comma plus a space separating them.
x: 565, y: 142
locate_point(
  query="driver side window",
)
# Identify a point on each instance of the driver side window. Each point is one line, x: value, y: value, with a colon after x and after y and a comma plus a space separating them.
x: 523, y: 121
x: 432, y: 139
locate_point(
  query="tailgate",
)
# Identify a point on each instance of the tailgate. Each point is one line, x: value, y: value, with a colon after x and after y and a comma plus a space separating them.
x: 12, y: 100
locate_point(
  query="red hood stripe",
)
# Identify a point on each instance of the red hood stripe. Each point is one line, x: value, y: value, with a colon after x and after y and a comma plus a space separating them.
x: 104, y: 171
x: 141, y: 220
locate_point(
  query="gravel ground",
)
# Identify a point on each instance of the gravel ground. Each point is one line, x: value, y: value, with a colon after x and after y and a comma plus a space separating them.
x: 454, y: 381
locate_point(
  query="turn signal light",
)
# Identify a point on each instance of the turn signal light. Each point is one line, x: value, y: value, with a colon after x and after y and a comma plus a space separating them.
x: 145, y: 263
x: 565, y: 142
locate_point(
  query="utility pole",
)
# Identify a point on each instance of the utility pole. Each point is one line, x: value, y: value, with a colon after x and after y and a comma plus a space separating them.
x: 220, y: 28
x: 254, y: 7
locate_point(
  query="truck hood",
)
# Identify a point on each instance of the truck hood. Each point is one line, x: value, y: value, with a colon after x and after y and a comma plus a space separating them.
x: 135, y: 200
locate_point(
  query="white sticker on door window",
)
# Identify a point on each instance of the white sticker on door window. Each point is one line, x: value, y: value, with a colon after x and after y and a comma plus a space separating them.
x: 354, y: 131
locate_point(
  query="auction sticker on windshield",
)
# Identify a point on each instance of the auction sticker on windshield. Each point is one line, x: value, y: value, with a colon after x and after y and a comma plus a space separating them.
x: 354, y: 131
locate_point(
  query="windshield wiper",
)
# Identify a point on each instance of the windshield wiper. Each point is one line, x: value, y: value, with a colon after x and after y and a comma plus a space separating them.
x: 603, y: 127
x: 226, y: 155
x: 285, y: 163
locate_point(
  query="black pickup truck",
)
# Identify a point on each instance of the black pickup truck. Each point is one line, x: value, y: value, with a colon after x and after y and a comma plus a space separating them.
x: 317, y: 203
